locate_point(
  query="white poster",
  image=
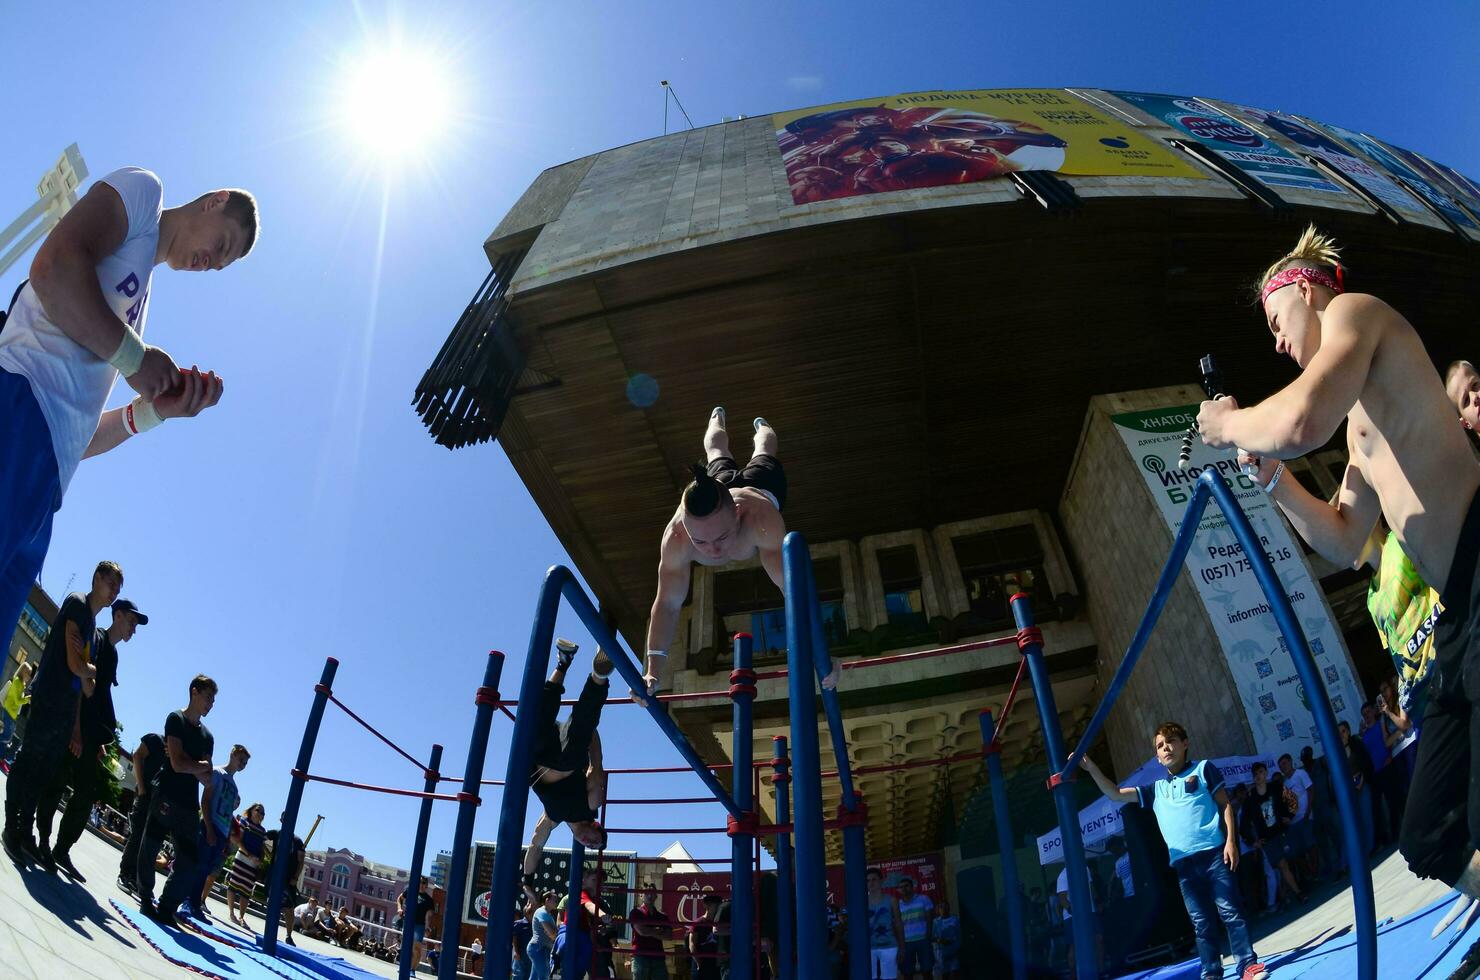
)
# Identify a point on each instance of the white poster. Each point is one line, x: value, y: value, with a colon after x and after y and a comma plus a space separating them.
x: 1273, y: 697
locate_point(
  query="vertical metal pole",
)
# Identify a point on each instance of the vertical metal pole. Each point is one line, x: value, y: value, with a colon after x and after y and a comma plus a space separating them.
x: 418, y: 855
x: 508, y: 857
x: 785, y: 911
x: 283, y: 853
x: 1016, y: 935
x: 573, y: 910
x: 811, y: 874
x: 742, y: 836
x: 467, y: 808
x: 1030, y: 641
x: 1364, y: 908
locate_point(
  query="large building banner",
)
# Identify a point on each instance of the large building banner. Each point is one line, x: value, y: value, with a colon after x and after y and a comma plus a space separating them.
x: 1275, y: 702
x: 1438, y: 199
x: 553, y: 872
x: 1268, y: 163
x: 930, y: 139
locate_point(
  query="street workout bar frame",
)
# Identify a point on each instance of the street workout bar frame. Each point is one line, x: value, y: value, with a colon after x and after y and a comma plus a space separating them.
x: 1209, y: 484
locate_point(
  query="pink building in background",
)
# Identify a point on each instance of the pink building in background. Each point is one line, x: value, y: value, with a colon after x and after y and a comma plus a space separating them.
x: 342, y: 879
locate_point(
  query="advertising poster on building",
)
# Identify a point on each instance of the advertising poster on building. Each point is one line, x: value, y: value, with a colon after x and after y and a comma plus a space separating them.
x: 1438, y: 199
x: 1266, y: 162
x: 1457, y: 187
x: 926, y: 870
x: 1318, y: 144
x: 1275, y: 702
x: 930, y: 139
x: 553, y: 872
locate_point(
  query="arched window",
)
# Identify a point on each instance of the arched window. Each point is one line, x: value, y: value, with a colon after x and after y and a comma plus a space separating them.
x: 340, y: 876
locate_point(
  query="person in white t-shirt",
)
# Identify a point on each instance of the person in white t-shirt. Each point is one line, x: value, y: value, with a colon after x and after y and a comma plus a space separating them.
x: 1066, y: 912
x: 75, y: 326
x: 1300, y: 835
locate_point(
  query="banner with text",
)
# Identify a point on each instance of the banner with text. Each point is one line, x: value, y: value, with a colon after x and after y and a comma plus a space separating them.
x: 553, y: 872
x: 1275, y: 701
x: 1437, y: 197
x: 930, y: 139
x: 1268, y: 163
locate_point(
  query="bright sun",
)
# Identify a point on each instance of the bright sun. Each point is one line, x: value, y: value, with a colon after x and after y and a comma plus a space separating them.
x: 396, y: 103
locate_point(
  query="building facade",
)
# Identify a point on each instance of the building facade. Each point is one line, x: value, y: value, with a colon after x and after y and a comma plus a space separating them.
x: 342, y: 879
x: 29, y: 638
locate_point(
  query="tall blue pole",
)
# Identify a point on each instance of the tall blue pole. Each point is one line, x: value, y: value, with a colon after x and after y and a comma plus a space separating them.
x: 785, y: 910
x: 1364, y: 908
x: 283, y: 853
x: 811, y: 872
x: 418, y: 856
x: 1030, y: 642
x: 742, y: 831
x: 467, y: 808
x: 572, y: 923
x: 1017, y: 938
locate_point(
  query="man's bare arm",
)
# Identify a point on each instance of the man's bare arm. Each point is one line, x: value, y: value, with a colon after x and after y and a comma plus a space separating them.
x: 1303, y: 416
x: 64, y: 271
x: 1338, y: 531
x: 536, y: 849
x: 769, y: 529
x: 673, y: 588
x: 77, y: 654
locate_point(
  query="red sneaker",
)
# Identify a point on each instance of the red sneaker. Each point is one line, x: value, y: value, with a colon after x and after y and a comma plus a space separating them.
x: 1255, y: 971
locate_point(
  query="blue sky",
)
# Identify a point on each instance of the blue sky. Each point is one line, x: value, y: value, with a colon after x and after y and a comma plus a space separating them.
x: 309, y: 514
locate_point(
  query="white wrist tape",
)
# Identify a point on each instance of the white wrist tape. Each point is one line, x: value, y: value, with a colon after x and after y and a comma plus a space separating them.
x: 657, y: 653
x: 130, y: 354
x: 140, y: 416
x: 1279, y: 471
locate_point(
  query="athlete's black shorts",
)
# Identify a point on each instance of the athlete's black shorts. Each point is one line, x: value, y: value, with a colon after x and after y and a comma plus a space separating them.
x: 1441, y: 822
x: 763, y: 472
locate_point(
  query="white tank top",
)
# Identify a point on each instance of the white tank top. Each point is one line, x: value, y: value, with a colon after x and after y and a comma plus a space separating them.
x: 70, y: 383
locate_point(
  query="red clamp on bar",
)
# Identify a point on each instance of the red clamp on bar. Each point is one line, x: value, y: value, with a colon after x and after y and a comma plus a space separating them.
x: 297, y: 773
x: 322, y: 689
x: 486, y: 695
x: 857, y: 817
x: 432, y: 775
x: 747, y: 824
x: 780, y: 776
x: 742, y: 683
x: 472, y: 798
x: 1055, y: 780
x: 1030, y: 635
x: 993, y: 747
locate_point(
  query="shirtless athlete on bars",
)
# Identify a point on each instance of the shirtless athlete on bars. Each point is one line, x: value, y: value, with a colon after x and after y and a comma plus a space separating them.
x: 726, y: 514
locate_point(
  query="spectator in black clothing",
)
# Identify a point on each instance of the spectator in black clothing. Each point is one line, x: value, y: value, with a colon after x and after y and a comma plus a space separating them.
x: 52, y: 730
x: 703, y: 942
x: 1266, y: 815
x: 1360, y: 763
x: 149, y: 758
x: 417, y: 908
x: 174, y: 808
x: 295, y: 860
x: 1250, y: 873
x: 85, y: 772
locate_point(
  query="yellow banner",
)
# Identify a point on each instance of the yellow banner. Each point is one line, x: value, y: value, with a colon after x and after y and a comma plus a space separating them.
x: 932, y: 139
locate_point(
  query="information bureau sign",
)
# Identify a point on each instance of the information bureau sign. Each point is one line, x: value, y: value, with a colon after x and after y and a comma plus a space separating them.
x: 1275, y: 701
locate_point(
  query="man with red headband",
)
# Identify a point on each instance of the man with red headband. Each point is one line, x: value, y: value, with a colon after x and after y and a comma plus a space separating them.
x: 1362, y: 362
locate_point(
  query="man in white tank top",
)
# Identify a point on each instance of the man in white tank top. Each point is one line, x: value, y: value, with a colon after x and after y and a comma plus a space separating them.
x: 76, y: 326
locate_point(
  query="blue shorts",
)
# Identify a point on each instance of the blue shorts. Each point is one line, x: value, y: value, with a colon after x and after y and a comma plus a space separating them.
x: 418, y: 933
x: 30, y: 492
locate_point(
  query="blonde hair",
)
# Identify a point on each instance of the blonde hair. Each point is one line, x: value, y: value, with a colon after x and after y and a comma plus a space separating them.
x: 1312, y: 250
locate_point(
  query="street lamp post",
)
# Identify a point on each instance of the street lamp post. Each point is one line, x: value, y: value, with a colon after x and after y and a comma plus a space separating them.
x: 57, y: 192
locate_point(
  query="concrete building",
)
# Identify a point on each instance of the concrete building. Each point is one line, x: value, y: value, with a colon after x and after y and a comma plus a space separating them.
x: 946, y: 366
x: 342, y: 879
x: 29, y: 638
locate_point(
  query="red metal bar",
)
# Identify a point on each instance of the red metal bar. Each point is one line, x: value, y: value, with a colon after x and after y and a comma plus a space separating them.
x: 666, y: 830
x: 918, y: 764
x: 416, y: 794
x: 1011, y: 696
x: 686, y: 860
x: 373, y: 731
x: 692, y: 799
x: 651, y: 770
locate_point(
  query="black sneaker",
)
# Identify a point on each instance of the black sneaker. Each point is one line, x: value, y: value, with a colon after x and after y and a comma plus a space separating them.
x: 601, y: 664
x: 127, y: 885
x: 40, y: 855
x: 64, y: 862
x: 565, y: 652
x: 15, y: 847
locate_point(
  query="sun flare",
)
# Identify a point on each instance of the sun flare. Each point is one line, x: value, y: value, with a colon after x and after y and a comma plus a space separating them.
x: 396, y: 103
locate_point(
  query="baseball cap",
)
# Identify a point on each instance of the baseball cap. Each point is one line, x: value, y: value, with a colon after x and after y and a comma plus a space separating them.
x: 127, y: 605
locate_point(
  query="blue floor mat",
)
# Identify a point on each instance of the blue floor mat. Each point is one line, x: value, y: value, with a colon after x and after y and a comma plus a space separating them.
x: 1404, y: 952
x: 207, y: 956
x: 305, y: 962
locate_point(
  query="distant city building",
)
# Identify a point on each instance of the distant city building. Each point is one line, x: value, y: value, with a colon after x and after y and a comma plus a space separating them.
x: 441, y: 865
x: 29, y: 638
x: 342, y: 879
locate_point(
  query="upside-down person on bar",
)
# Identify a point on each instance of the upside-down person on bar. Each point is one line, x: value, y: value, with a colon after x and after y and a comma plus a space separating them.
x: 727, y: 514
x: 567, y: 774
x: 1361, y: 362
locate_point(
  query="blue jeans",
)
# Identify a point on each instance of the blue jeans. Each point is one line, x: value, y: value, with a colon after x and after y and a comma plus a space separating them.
x: 1210, y: 893
x: 539, y: 960
x: 522, y: 965
x: 30, y: 492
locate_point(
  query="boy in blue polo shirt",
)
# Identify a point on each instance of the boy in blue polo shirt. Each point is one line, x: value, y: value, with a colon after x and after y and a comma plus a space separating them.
x: 1191, y: 807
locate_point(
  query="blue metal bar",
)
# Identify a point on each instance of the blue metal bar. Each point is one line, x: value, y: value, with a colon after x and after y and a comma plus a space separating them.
x: 418, y: 856
x: 855, y: 845
x: 508, y: 857
x: 811, y: 876
x: 742, y: 878
x: 572, y: 922
x: 1163, y: 591
x: 1017, y: 934
x: 1086, y: 965
x: 467, y: 809
x: 786, y: 967
x: 1363, y: 907
x: 290, y: 811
